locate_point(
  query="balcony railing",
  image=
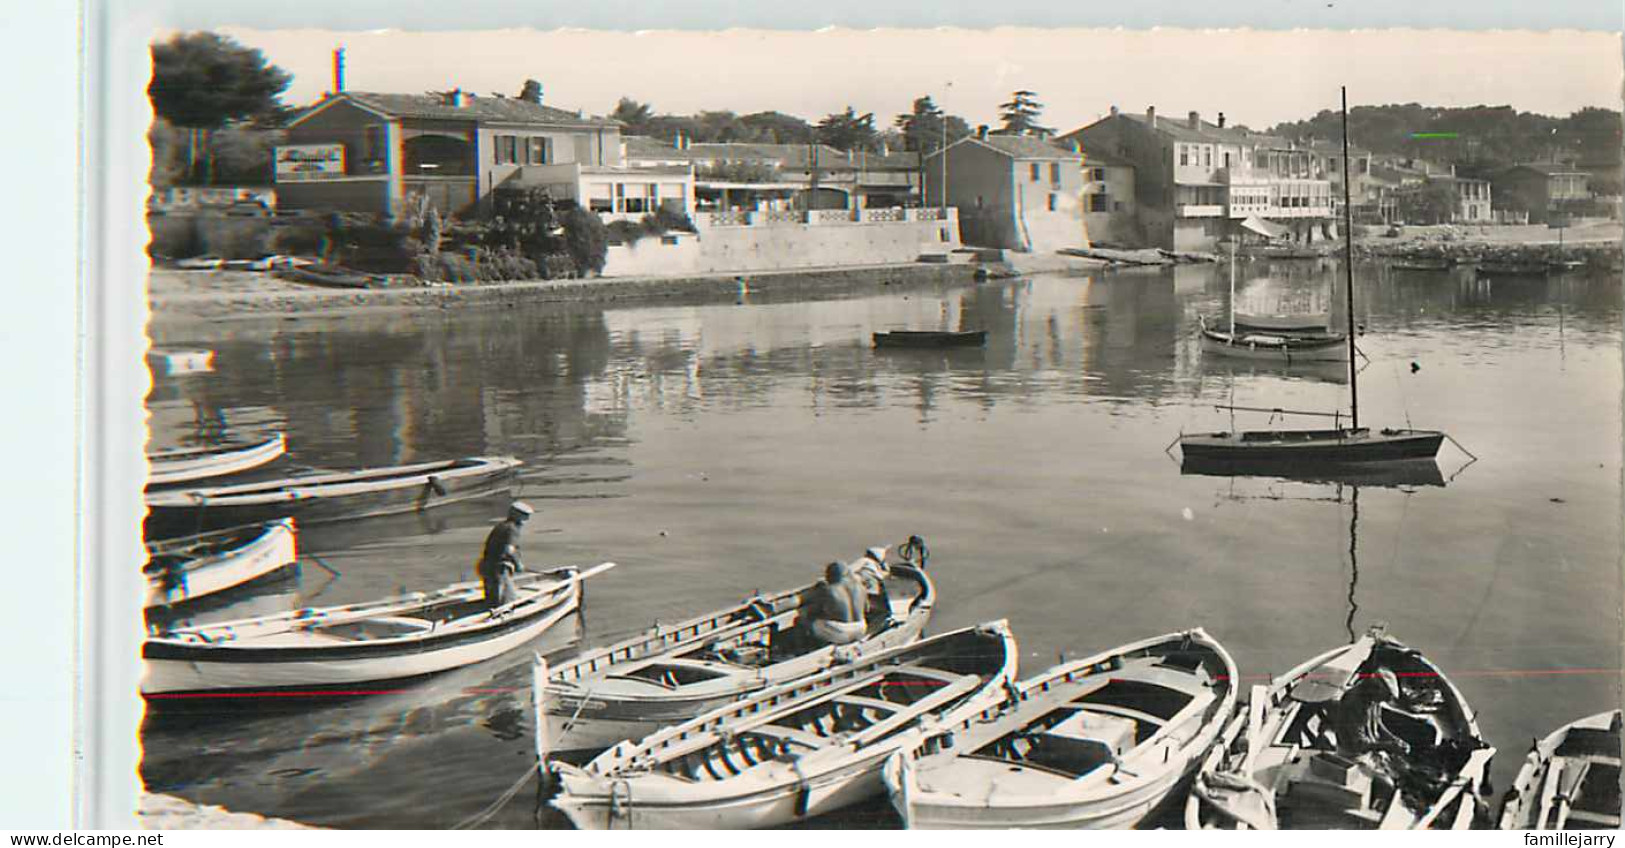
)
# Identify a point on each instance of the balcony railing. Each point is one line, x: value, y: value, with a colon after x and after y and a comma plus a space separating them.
x: 1204, y: 210
x: 820, y: 217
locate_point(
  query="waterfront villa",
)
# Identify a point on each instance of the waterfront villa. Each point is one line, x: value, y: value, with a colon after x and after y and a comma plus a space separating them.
x: 1012, y: 191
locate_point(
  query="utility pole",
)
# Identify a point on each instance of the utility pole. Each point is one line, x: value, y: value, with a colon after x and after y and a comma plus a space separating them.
x: 942, y: 117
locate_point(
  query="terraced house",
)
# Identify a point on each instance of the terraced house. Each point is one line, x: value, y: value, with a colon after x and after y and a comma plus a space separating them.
x: 368, y: 152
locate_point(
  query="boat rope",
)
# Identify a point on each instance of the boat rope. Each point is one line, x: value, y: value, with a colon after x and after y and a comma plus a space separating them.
x: 490, y: 810
x: 325, y: 567
x: 1404, y: 407
x: 1462, y: 448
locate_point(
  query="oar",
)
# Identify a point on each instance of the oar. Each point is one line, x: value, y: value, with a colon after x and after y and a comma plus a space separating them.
x: 576, y: 578
x: 1572, y: 778
x: 1548, y: 790
x: 538, y: 690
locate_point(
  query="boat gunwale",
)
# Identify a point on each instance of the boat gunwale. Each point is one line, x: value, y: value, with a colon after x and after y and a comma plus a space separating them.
x: 306, y: 487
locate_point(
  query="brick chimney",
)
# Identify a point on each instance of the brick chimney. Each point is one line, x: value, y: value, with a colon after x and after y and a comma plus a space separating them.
x: 1151, y: 116
x: 1221, y: 120
x: 981, y: 132
x: 1114, y: 110
x: 1196, y: 120
x: 457, y: 98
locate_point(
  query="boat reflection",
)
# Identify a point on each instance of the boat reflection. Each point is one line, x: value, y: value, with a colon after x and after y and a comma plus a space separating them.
x: 1406, y: 474
x: 1312, y: 371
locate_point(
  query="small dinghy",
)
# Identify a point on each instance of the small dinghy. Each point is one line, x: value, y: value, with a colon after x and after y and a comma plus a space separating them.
x: 930, y: 338
x: 1275, y: 346
x: 183, y: 465
x: 1570, y: 780
x: 172, y: 360
x: 336, y: 647
x: 1261, y: 451
x: 674, y: 672
x: 1096, y: 743
x: 335, y: 496
x: 798, y: 750
x: 1368, y: 736
x: 329, y: 276
x: 180, y: 570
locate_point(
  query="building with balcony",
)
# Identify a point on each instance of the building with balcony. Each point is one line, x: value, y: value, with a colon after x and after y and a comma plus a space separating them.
x: 1015, y: 192
x: 1197, y: 182
x: 367, y: 152
x: 1543, y: 189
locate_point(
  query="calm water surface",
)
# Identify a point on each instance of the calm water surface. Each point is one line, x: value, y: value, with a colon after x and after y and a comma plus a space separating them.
x: 711, y: 450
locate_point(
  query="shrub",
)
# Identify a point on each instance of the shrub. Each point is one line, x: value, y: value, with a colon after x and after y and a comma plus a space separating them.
x: 173, y: 237
x: 625, y: 232
x: 586, y: 239
x: 235, y: 238
x: 299, y: 237
x: 671, y: 220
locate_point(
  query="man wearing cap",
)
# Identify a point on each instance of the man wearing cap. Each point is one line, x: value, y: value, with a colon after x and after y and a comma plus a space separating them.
x: 1358, y: 719
x: 500, y: 559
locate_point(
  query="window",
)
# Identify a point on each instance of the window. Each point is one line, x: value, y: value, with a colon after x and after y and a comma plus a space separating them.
x: 1097, y: 175
x: 506, y: 149
x: 372, y: 146
x: 1227, y: 159
x: 1184, y: 155
x: 599, y: 198
x: 1052, y: 201
x: 1207, y: 156
x: 1035, y: 172
x: 1099, y: 203
x: 1055, y: 173
x: 539, y: 151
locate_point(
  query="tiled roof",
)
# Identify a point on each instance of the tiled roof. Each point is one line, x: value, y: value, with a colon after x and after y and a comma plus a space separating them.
x: 652, y: 148
x: 1091, y: 157
x: 501, y: 110
x: 795, y: 156
x: 1025, y: 147
x: 1178, y: 127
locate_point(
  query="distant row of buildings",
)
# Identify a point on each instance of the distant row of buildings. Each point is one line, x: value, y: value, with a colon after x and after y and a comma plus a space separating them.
x: 1137, y: 179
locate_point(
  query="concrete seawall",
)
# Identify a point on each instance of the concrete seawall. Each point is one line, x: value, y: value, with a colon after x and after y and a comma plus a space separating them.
x: 179, y: 296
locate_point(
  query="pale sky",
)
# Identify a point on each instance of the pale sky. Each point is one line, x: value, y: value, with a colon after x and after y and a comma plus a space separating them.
x: 1255, y: 77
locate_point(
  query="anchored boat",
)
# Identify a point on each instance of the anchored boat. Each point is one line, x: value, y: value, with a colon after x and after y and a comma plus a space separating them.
x: 344, y: 646
x: 172, y: 466
x: 180, y: 570
x: 1274, y: 346
x: 1570, y: 780
x: 333, y: 496
x: 672, y: 673
x: 1096, y: 743
x: 798, y: 750
x: 1290, y: 324
x: 930, y: 338
x: 1295, y: 757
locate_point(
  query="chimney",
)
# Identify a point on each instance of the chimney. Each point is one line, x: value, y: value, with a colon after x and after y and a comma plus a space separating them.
x: 338, y: 71
x: 457, y: 98
x: 981, y: 132
x: 1114, y: 110
x: 1221, y: 120
x: 1151, y: 116
x: 1196, y: 120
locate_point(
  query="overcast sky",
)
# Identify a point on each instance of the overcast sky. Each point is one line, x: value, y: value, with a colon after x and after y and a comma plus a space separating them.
x: 1256, y: 77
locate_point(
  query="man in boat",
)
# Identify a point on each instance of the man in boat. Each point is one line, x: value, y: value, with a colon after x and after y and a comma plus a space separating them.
x: 1358, y: 717
x: 870, y: 572
x: 833, y: 609
x: 500, y: 558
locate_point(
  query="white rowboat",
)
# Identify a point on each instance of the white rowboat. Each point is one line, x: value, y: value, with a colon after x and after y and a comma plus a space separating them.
x: 1570, y: 780
x: 1097, y: 743
x: 183, y: 465
x: 183, y: 569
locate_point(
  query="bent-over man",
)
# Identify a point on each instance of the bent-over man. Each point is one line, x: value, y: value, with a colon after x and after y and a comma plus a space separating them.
x: 833, y: 609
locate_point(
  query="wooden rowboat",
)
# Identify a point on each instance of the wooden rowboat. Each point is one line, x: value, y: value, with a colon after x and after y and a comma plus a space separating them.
x: 330, y: 276
x: 672, y: 673
x: 930, y: 338
x: 1317, y: 324
x: 1279, y: 764
x: 801, y: 749
x: 339, y: 648
x: 334, y: 496
x: 183, y: 465
x: 180, y: 570
x: 1097, y: 743
x: 1570, y: 780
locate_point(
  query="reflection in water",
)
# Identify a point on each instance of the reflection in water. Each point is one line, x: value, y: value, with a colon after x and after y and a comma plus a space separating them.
x: 714, y: 448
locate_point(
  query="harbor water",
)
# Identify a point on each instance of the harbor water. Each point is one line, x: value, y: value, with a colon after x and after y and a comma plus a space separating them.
x: 712, y: 449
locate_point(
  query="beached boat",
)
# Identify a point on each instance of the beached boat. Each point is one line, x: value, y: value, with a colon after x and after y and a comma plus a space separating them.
x: 332, y: 496
x: 674, y: 672
x: 1352, y: 444
x: 171, y: 360
x: 199, y: 263
x: 171, y: 466
x: 1307, y: 324
x: 1280, y: 763
x: 930, y: 338
x: 331, y: 276
x: 1280, y: 347
x: 183, y: 569
x: 1570, y: 780
x: 344, y: 646
x: 797, y: 750
x: 1097, y: 743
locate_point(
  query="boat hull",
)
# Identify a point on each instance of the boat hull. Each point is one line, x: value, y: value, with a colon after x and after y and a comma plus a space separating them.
x: 1289, y: 324
x: 1521, y: 808
x: 1257, y: 451
x: 1273, y: 347
x: 317, y: 499
x: 272, y: 549
x: 167, y: 468
x: 929, y: 339
x: 173, y: 669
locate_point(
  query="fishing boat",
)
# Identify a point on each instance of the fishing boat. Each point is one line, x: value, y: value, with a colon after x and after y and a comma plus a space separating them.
x: 339, y: 648
x: 1281, y: 764
x: 170, y: 466
x: 180, y: 570
x: 1338, y: 445
x: 1097, y: 743
x: 1570, y: 780
x: 674, y: 672
x: 170, y: 360
x: 332, y: 496
x: 801, y: 749
x: 1273, y: 346
x: 930, y: 338
x: 330, y: 276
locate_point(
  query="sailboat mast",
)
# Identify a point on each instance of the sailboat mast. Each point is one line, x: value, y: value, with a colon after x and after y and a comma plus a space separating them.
x: 1348, y: 264
x: 1232, y: 294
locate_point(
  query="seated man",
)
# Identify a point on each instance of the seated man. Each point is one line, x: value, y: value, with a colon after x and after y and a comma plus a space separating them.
x: 870, y: 572
x: 1357, y: 719
x: 833, y: 609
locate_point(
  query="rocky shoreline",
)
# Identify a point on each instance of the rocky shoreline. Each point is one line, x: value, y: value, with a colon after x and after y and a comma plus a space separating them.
x: 167, y: 812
